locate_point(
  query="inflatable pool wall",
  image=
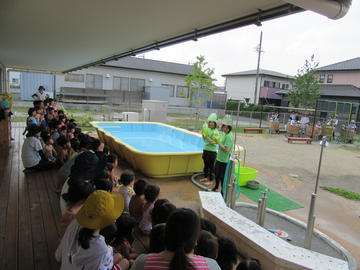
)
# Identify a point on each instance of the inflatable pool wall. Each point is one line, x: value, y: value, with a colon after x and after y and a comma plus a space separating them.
x: 156, y: 149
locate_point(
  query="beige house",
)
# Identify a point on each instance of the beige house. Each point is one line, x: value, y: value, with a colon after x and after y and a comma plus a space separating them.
x: 341, y: 81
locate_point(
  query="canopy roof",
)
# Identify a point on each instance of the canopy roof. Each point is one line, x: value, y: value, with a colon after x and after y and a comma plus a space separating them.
x: 67, y: 35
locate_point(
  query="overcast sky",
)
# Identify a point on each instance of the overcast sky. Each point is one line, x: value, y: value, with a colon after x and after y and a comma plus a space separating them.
x: 287, y: 42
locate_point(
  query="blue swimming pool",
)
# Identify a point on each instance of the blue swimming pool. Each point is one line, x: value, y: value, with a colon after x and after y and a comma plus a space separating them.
x: 158, y: 150
x: 154, y: 138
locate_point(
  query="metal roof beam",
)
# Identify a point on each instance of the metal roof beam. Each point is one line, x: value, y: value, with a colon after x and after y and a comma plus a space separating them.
x: 256, y: 18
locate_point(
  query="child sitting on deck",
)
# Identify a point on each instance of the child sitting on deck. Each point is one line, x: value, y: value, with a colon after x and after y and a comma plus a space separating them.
x: 75, y: 198
x: 109, y: 234
x: 137, y: 201
x: 31, y: 120
x: 124, y: 239
x: 127, y: 180
x: 82, y: 246
x: 151, y: 195
x: 49, y: 150
x: 207, y: 245
x: 63, y: 148
x: 157, y: 238
x: 228, y: 254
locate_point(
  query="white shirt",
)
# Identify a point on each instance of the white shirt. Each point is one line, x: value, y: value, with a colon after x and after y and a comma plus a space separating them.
x: 30, y: 152
x: 40, y: 96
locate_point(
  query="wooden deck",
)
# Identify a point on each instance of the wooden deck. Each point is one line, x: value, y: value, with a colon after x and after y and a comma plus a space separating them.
x: 29, y: 212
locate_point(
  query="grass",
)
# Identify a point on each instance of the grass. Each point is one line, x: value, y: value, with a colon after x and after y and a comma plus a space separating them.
x: 25, y: 110
x: 185, y: 123
x: 83, y: 128
x: 18, y: 119
x: 343, y: 192
x: 355, y: 148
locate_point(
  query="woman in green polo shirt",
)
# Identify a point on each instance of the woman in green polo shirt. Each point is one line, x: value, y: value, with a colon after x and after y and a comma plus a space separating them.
x: 226, y: 146
x: 211, y: 138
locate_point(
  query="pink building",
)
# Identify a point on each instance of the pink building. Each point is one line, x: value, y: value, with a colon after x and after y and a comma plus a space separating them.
x: 341, y: 81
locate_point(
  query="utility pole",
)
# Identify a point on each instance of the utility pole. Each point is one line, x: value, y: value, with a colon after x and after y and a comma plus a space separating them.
x: 258, y: 49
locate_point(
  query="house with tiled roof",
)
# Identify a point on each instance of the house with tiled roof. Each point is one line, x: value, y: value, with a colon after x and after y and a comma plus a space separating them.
x: 341, y: 81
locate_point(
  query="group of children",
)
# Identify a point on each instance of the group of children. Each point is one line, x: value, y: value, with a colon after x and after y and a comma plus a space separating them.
x: 117, y: 222
x: 51, y: 138
x: 147, y: 231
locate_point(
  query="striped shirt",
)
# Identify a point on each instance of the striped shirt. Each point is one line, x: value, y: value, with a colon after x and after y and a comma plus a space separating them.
x: 154, y: 261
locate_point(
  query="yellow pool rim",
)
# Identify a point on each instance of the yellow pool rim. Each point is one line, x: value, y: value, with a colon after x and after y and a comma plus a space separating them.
x: 157, y: 165
x: 146, y: 153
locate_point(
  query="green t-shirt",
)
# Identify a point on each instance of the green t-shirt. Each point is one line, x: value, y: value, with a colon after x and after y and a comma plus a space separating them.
x: 227, y: 140
x: 212, y: 134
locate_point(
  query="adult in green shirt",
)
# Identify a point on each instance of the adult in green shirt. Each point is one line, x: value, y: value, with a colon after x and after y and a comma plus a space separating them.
x: 226, y: 146
x: 211, y: 138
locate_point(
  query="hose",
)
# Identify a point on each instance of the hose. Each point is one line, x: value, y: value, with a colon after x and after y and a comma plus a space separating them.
x: 223, y: 188
x: 196, y: 183
x: 236, y: 176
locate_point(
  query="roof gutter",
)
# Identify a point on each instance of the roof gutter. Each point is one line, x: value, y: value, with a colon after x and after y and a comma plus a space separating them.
x: 333, y: 9
x: 256, y: 18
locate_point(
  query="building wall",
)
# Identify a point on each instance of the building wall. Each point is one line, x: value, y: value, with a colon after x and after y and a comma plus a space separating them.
x: 152, y: 79
x: 343, y: 77
x: 30, y: 83
x: 242, y: 87
x: 275, y: 79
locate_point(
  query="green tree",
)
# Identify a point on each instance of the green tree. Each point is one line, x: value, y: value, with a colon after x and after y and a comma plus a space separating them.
x: 305, y: 86
x: 200, y: 82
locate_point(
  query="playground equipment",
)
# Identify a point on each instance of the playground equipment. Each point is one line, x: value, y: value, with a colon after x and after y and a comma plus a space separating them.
x: 274, y: 126
x: 344, y: 111
x: 314, y: 132
x: 293, y: 130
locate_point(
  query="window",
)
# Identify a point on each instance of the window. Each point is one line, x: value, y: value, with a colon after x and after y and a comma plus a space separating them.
x: 94, y: 81
x: 74, y: 77
x: 121, y: 83
x: 322, y: 78
x: 171, y: 88
x: 182, y: 92
x: 15, y: 81
x: 285, y: 86
x: 266, y: 83
x: 329, y: 78
x: 137, y: 84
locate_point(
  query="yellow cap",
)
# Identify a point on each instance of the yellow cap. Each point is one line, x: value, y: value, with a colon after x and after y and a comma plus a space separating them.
x: 100, y: 210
